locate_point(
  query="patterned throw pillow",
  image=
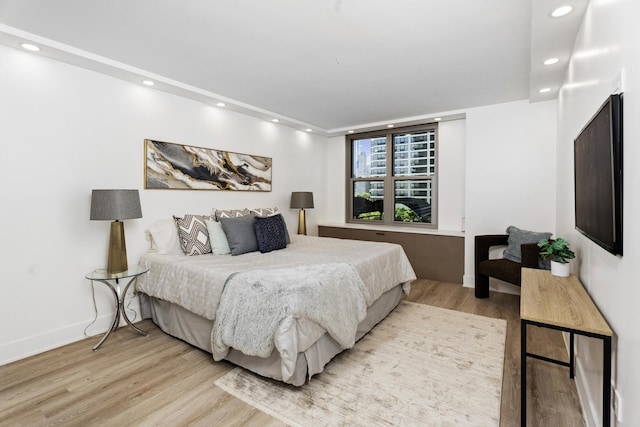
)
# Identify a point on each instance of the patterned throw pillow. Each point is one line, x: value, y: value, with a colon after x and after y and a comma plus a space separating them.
x: 270, y: 233
x: 230, y: 213
x: 264, y: 211
x: 193, y: 234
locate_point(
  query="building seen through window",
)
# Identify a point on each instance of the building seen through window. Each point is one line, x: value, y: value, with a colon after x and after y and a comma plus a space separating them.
x: 393, y: 176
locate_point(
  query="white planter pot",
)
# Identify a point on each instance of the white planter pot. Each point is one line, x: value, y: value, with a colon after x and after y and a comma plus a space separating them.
x: 559, y: 269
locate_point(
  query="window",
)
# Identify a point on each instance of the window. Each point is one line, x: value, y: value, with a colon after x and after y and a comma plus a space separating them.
x: 392, y: 176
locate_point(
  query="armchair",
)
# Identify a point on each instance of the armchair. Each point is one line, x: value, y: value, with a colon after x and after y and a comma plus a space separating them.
x: 501, y: 268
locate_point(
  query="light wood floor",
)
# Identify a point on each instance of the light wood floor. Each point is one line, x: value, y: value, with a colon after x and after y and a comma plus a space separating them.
x: 159, y: 380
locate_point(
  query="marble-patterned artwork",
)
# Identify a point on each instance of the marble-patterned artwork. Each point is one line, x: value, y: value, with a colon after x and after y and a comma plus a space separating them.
x: 176, y: 166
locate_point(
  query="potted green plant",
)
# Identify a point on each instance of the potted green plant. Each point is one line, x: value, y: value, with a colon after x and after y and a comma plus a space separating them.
x: 558, y: 252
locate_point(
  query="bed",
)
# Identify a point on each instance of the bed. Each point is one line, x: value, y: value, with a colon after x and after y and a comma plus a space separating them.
x: 185, y: 297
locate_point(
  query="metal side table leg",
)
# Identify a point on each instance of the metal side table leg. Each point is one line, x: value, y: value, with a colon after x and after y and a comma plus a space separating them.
x: 124, y: 309
x: 116, y: 315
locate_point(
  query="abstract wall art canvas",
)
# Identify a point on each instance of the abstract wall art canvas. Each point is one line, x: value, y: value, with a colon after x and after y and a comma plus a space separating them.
x: 176, y: 166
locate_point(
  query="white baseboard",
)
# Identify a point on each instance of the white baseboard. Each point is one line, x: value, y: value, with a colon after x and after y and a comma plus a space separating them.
x: 49, y: 340
x: 589, y: 410
x: 495, y: 285
x: 36, y: 344
x: 468, y: 281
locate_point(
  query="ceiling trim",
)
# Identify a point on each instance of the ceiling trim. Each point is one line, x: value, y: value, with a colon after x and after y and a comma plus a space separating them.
x: 405, y: 121
x: 13, y: 37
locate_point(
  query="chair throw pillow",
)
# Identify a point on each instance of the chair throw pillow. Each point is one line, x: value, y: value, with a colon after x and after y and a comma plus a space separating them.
x: 270, y: 233
x: 240, y: 234
x: 193, y: 234
x: 517, y: 237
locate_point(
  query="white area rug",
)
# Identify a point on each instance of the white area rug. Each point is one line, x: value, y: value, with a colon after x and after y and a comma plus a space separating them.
x: 421, y: 366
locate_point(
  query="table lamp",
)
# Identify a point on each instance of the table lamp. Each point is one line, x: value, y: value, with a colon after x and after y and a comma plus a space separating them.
x: 116, y: 205
x: 301, y: 200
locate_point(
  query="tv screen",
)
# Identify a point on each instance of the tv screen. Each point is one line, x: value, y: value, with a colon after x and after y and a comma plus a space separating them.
x: 598, y: 177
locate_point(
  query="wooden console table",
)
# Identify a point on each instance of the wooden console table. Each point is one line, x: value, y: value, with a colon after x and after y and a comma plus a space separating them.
x: 563, y: 304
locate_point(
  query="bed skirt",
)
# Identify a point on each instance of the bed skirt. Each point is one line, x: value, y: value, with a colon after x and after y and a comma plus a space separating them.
x: 196, y: 330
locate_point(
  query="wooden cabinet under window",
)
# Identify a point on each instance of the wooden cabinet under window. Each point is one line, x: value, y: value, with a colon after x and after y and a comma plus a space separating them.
x: 432, y: 256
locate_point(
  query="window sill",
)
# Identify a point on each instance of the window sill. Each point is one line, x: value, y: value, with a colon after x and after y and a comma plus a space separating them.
x: 396, y: 228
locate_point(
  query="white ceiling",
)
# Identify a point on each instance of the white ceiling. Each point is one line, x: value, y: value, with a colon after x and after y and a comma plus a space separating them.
x: 327, y: 65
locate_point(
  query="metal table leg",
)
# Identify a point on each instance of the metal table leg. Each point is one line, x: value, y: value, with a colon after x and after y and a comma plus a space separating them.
x: 124, y: 309
x: 119, y: 298
x: 116, y: 315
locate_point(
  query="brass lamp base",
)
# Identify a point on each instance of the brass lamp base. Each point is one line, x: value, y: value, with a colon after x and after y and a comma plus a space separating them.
x: 117, y: 262
x: 302, y: 222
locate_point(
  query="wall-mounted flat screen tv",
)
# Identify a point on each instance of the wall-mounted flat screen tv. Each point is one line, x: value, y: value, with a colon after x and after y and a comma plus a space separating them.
x: 598, y: 177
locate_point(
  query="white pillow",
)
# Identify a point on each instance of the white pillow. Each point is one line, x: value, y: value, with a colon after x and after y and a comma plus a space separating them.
x: 163, y: 235
x: 217, y: 238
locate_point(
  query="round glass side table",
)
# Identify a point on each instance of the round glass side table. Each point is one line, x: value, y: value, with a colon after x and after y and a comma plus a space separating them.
x: 112, y: 280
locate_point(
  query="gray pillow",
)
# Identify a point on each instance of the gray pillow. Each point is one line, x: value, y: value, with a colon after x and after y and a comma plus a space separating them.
x: 240, y: 234
x: 517, y: 237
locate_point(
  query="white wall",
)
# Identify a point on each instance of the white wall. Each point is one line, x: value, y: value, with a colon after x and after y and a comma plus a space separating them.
x: 336, y: 187
x: 510, y: 171
x: 451, y: 174
x: 66, y: 130
x: 608, y: 42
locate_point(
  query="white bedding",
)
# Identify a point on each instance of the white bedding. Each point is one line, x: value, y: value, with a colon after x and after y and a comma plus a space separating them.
x: 197, y: 282
x: 255, y: 303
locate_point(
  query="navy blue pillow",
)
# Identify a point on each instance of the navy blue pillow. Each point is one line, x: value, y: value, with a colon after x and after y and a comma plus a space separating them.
x: 271, y: 233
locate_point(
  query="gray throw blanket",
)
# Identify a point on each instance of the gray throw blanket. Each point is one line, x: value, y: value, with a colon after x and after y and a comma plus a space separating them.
x: 254, y: 303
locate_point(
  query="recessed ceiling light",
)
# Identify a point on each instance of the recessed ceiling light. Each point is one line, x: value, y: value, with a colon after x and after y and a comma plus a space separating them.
x: 275, y: 120
x: 30, y: 47
x: 309, y: 130
x: 545, y: 90
x: 561, y: 11
x: 221, y: 104
x: 437, y: 119
x: 389, y: 126
x: 551, y: 61
x: 351, y: 131
x: 148, y: 83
